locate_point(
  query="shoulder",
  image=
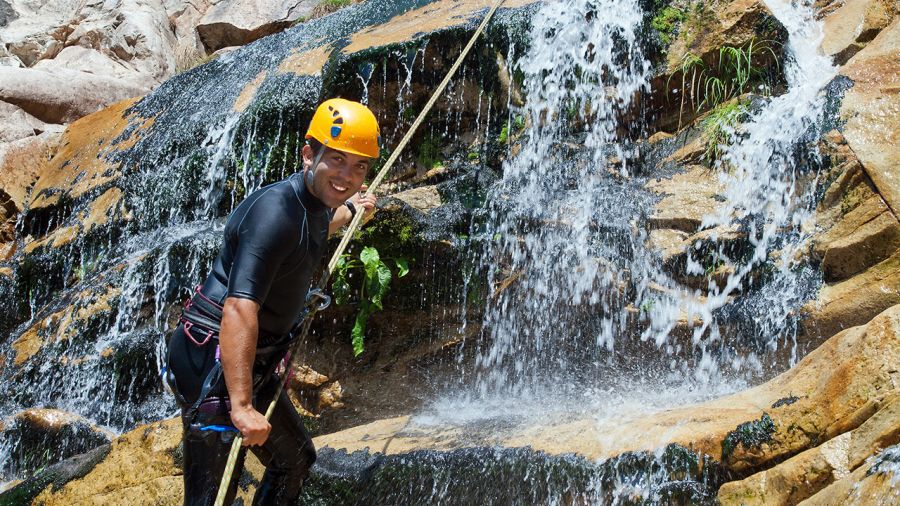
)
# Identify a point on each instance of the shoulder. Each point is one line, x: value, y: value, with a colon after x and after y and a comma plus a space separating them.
x: 271, y: 210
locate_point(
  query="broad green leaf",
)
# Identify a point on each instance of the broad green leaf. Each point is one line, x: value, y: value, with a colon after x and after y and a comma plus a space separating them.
x: 402, y: 267
x: 341, y: 289
x: 359, y: 331
x: 369, y: 256
x: 380, y: 284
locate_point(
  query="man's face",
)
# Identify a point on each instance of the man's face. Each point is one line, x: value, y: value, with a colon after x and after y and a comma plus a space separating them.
x: 338, y: 176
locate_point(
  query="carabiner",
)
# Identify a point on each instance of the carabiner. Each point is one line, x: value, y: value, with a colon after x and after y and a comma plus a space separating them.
x: 325, y: 299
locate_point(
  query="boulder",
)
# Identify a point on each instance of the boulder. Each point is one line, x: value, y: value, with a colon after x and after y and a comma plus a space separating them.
x: 423, y: 198
x: 17, y: 124
x: 64, y: 434
x: 803, y: 475
x: 870, y: 110
x: 850, y: 24
x: 62, y: 95
x: 853, y: 301
x: 688, y: 197
x: 729, y: 23
x: 21, y: 162
x: 872, y: 484
x: 80, y: 57
x: 239, y: 22
x: 142, y: 467
x: 867, y: 235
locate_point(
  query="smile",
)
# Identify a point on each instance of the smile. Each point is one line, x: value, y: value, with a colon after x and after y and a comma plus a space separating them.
x: 340, y: 189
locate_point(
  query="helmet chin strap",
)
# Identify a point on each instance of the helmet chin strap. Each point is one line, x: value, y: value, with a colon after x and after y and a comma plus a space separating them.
x: 312, y: 168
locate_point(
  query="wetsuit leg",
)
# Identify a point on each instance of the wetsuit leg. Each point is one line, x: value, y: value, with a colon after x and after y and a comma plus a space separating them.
x: 205, y: 457
x: 288, y: 454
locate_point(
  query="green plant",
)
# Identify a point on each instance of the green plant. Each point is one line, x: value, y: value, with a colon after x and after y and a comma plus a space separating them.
x: 732, y: 75
x: 666, y: 23
x: 376, y: 281
x: 516, y: 125
x: 719, y: 127
x: 335, y: 4
x: 429, y: 155
x: 473, y: 155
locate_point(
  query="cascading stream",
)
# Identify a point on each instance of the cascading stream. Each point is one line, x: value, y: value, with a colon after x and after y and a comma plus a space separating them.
x: 565, y: 235
x: 585, y: 64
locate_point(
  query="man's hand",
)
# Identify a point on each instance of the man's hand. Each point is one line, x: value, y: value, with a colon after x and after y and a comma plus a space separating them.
x: 342, y: 216
x: 253, y: 425
x: 362, y: 201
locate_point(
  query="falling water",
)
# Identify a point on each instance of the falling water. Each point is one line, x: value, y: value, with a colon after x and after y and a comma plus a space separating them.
x: 573, y: 285
x: 585, y: 65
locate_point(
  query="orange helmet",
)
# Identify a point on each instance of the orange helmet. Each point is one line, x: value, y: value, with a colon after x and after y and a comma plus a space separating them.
x: 346, y: 126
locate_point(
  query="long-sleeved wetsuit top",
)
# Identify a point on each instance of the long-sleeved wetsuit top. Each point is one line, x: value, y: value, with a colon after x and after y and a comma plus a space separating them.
x: 273, y: 243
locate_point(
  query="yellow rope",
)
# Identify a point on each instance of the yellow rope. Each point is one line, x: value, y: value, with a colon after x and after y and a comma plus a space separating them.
x: 351, y: 229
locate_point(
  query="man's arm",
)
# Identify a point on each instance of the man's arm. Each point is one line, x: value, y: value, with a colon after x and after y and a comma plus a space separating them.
x: 237, y: 340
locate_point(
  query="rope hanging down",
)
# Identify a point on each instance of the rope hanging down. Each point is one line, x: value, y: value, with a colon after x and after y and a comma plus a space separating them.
x: 351, y: 229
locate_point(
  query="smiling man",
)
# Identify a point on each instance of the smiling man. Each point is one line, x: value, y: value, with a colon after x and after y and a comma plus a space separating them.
x: 236, y: 328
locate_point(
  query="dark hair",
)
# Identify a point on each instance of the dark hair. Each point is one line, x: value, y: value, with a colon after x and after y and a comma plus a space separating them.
x: 314, y: 144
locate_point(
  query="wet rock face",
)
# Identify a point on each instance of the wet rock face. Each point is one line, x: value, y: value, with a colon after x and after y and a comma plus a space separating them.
x: 140, y: 467
x: 36, y: 438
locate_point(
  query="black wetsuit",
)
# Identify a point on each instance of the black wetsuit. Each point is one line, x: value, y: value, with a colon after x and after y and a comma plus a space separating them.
x: 274, y: 241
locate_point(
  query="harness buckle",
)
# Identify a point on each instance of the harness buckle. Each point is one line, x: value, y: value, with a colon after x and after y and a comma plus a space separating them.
x: 325, y: 299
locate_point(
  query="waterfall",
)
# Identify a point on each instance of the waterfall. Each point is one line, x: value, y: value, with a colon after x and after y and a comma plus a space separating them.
x: 580, y: 311
x: 584, y: 65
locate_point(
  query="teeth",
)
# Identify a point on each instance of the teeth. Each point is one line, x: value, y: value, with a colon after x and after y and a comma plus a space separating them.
x: 338, y: 188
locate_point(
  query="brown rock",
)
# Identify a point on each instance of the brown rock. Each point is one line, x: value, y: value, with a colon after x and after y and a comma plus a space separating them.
x: 864, y: 487
x: 61, y: 326
x: 689, y: 197
x: 424, y: 198
x: 805, y: 474
x: 79, y: 164
x: 659, y: 136
x: 429, y: 18
x: 140, y: 469
x: 330, y: 397
x: 21, y: 163
x: 854, y: 301
x: 239, y: 22
x: 60, y: 433
x: 864, y: 236
x: 870, y: 110
x: 305, y: 377
x: 62, y: 96
x: 854, y: 23
x: 730, y: 23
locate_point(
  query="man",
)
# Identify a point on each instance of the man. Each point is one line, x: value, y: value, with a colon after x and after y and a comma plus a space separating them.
x: 236, y: 328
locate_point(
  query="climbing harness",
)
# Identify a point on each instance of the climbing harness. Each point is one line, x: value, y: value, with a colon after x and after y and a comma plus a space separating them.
x: 303, y: 325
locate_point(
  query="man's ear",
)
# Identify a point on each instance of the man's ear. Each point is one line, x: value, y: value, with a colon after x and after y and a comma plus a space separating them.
x: 308, y: 155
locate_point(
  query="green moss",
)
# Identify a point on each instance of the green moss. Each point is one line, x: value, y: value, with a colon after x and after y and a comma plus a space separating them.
x: 666, y: 23
x: 749, y: 435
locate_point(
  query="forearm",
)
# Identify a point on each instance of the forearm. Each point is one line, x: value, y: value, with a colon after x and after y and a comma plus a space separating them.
x: 342, y: 216
x: 237, y: 342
